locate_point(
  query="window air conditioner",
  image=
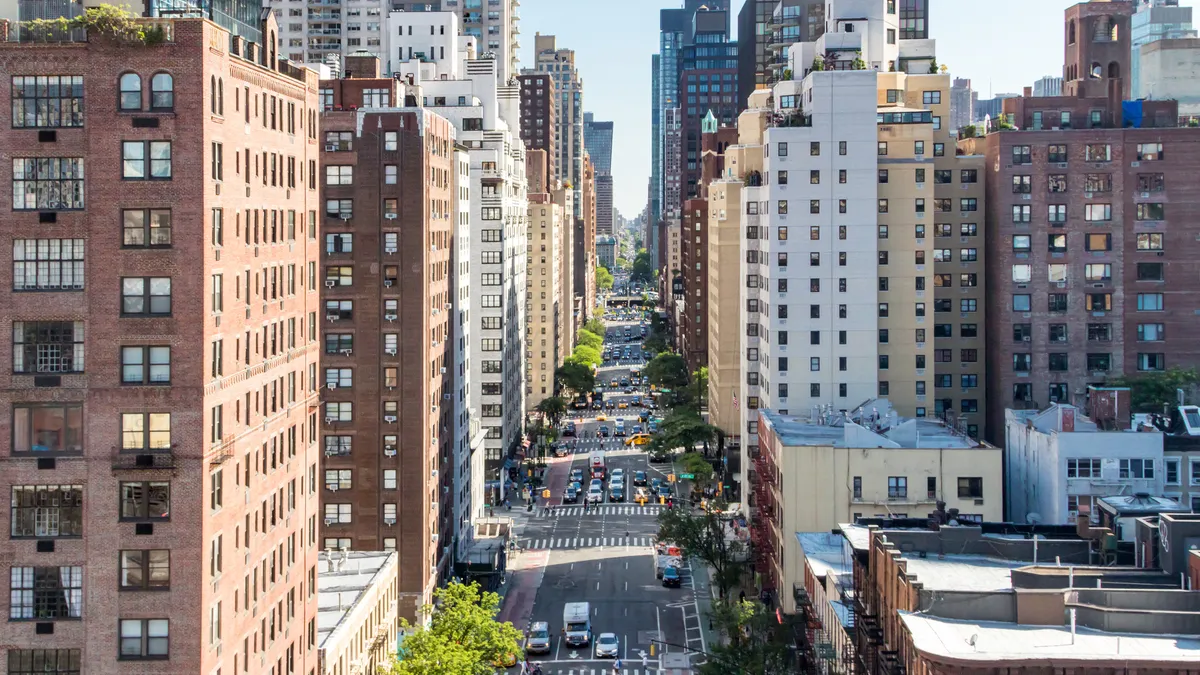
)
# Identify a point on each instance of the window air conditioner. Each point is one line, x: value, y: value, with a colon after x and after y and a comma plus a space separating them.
x: 387, y: 283
x: 389, y: 249
x: 328, y: 522
x: 328, y: 420
x: 331, y: 317
x: 389, y: 216
x: 433, y: 506
x: 329, y: 283
x: 390, y: 317
x: 433, y: 474
x: 390, y: 419
x: 347, y: 352
x: 389, y: 451
x: 389, y: 521
x: 331, y: 385
x: 331, y: 488
x: 390, y: 351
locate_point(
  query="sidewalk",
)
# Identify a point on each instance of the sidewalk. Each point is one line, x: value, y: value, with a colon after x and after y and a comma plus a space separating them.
x: 705, y: 594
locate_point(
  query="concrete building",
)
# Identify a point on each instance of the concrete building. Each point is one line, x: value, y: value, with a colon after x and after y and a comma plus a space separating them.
x: 1059, y: 462
x: 707, y: 84
x: 161, y: 451
x: 383, y: 455
x: 327, y: 33
x: 1048, y: 86
x: 1155, y: 20
x: 495, y: 27
x: 568, y: 109
x: 815, y: 473
x: 766, y: 29
x: 990, y: 108
x: 973, y: 599
x: 485, y: 112
x: 962, y: 104
x: 1099, y: 184
x: 672, y: 164
x: 539, y: 124
x: 606, y: 251
x: 545, y: 277
x: 585, y: 247
x: 1169, y: 70
x: 357, y: 621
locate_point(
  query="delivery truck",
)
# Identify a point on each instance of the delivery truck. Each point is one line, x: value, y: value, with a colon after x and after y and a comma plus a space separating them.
x: 577, y: 624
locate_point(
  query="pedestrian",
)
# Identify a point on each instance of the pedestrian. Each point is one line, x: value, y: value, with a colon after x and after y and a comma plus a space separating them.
x: 742, y: 596
x: 617, y: 666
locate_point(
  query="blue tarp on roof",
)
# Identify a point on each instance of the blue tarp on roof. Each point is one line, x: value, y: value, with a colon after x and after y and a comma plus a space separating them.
x: 1132, y: 112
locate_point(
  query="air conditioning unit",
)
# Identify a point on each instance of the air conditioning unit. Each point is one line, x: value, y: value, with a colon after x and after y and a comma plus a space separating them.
x: 347, y: 352
x: 446, y: 306
x: 433, y: 506
x: 387, y: 283
x: 390, y: 317
x: 389, y: 216
x: 389, y: 249
x: 328, y: 420
x: 390, y: 351
x: 389, y: 521
x: 345, y: 215
x: 433, y: 537
x: 330, y: 283
x: 445, y: 397
x: 978, y: 502
x: 390, y: 419
x: 331, y: 488
x: 332, y: 317
x: 443, y: 370
x: 331, y: 385
x: 390, y: 451
x: 433, y: 474
x: 331, y: 147
x: 1025, y: 339
x: 328, y: 522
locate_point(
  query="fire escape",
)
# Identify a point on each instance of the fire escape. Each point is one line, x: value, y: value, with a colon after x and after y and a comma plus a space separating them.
x: 765, y: 521
x: 870, y: 644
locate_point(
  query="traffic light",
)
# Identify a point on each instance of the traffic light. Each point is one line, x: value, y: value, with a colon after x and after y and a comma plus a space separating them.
x: 670, y: 478
x: 545, y: 494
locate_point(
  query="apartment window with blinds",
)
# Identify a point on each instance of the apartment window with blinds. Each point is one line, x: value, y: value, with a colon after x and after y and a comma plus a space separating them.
x: 47, y: 346
x: 47, y: 264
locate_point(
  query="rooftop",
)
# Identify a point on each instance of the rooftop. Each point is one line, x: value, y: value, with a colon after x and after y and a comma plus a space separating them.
x: 962, y: 572
x: 872, y: 425
x: 826, y: 553
x: 342, y: 579
x: 1141, y: 503
x: 993, y: 641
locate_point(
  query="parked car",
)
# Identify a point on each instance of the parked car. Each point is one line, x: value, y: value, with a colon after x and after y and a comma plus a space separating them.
x: 671, y: 578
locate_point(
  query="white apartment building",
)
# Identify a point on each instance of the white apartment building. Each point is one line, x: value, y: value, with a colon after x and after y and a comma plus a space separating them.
x: 486, y: 113
x: 327, y: 31
x: 1057, y: 460
x: 494, y: 24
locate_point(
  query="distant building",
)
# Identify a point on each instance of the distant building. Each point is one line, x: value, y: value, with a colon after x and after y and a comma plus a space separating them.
x: 989, y: 108
x: 1170, y: 69
x: 1155, y: 20
x: 1048, y: 86
x: 962, y: 103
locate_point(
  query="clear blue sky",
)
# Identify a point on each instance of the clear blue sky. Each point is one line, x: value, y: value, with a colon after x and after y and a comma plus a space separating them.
x: 1000, y: 46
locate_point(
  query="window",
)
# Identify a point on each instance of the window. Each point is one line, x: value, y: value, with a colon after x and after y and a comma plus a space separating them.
x: 146, y: 228
x: 130, y: 85
x: 134, y: 157
x: 814, y: 206
x: 148, y: 296
x: 145, y: 431
x: 1137, y: 468
x: 48, y: 347
x: 145, y: 365
x: 1098, y: 302
x: 1097, y: 212
x: 781, y: 150
x: 931, y: 97
x: 47, y: 264
x: 1149, y: 152
x: 970, y: 488
x: 145, y: 501
x: 1099, y: 241
x: 882, y: 148
x: 1022, y: 184
x: 1020, y: 303
x: 47, y: 183
x: 897, y: 488
x: 48, y: 101
x: 340, y: 514
x: 1097, y: 152
x: 1056, y: 213
x: 1149, y: 271
x: 144, y: 639
x: 145, y: 570
x: 1151, y: 362
x: 44, y: 511
x: 1021, y: 213
x: 1056, y: 183
x: 1083, y: 468
x: 1057, y: 154
x: 41, y: 593
x: 1021, y: 154
x: 968, y: 254
x: 1150, y: 302
x: 1171, y: 469
x: 162, y: 92
x: 1149, y: 211
x: 1056, y: 243
x: 1151, y: 182
x: 339, y: 175
x: 1097, y: 182
x: 47, y: 428
x: 883, y: 175
x: 1150, y: 332
x: 1059, y: 362
x: 1099, y: 362
x: 44, y: 662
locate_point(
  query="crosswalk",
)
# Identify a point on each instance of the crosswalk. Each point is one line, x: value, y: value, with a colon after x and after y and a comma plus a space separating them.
x: 543, y: 543
x: 609, y: 510
x: 551, y: 670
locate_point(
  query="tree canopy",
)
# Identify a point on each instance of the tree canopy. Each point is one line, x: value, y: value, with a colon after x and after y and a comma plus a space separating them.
x: 463, y: 637
x: 575, y: 377
x: 553, y: 408
x: 755, y: 641
x: 586, y: 355
x: 590, y: 339
x: 702, y: 535
x: 667, y: 370
x: 1151, y: 392
x: 595, y: 326
x: 604, y: 279
x: 643, y: 268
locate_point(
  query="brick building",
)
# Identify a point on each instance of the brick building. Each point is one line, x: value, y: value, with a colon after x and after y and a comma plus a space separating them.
x: 1091, y: 237
x: 538, y: 119
x: 692, y: 330
x: 388, y: 185
x: 164, y: 513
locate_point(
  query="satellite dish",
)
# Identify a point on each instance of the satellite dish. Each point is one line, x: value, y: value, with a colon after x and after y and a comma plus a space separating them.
x: 1034, y: 518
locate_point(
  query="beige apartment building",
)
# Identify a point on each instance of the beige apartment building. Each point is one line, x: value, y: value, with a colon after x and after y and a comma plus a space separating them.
x: 931, y: 281
x: 814, y: 473
x: 358, y: 621
x: 545, y: 280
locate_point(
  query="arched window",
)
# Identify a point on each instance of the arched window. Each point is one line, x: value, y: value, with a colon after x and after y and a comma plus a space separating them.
x: 1097, y: 71
x: 1071, y: 32
x: 1114, y: 69
x: 221, y: 96
x: 131, y: 92
x: 212, y: 87
x: 162, y: 92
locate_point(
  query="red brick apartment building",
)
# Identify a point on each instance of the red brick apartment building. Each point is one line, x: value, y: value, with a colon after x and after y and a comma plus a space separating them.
x: 160, y: 408
x: 1092, y: 230
x: 387, y: 222
x: 538, y: 96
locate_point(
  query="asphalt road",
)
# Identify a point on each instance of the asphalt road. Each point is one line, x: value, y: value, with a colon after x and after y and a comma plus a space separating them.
x: 604, y: 557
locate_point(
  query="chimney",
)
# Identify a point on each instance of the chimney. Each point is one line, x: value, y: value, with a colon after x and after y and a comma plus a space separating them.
x: 1028, y: 91
x: 4, y: 30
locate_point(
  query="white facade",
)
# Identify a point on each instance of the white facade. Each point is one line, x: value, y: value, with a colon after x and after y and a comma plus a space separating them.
x: 1050, y: 470
x: 495, y: 25
x: 814, y: 308
x: 1154, y: 20
x: 1048, y: 86
x: 430, y: 37
x: 321, y: 29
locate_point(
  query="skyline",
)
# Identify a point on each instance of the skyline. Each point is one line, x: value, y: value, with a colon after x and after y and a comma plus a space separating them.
x: 614, y: 42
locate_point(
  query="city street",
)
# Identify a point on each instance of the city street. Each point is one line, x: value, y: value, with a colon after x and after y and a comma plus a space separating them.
x: 603, y: 555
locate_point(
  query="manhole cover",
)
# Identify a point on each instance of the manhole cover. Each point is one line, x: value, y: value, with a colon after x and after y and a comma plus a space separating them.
x: 564, y: 582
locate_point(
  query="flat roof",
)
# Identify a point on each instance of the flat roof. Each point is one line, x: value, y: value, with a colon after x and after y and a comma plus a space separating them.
x: 858, y: 536
x: 340, y: 584
x: 995, y: 641
x: 905, y: 434
x: 971, y: 573
x: 825, y: 553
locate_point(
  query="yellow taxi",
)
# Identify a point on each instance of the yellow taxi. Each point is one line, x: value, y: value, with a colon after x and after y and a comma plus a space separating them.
x: 601, y: 418
x: 612, y: 382
x: 507, y: 661
x: 638, y: 439
x: 622, y: 405
x: 641, y: 496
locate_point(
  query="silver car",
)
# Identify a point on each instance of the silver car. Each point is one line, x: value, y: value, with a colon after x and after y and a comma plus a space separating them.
x: 607, y: 646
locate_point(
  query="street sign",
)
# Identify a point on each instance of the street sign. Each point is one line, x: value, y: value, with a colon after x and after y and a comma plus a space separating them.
x: 687, y: 476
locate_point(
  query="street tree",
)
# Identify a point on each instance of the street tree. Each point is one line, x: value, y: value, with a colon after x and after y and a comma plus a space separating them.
x: 643, y: 268
x: 667, y: 370
x: 463, y: 636
x: 755, y: 641
x: 586, y: 355
x: 553, y: 408
x: 604, y: 279
x: 587, y: 337
x: 595, y: 326
x: 702, y: 535
x: 575, y: 377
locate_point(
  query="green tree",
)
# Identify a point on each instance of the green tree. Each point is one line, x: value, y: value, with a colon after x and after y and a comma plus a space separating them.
x: 700, y: 384
x: 702, y: 536
x: 586, y: 355
x: 553, y: 408
x: 643, y: 268
x: 623, y: 264
x: 463, y: 637
x: 754, y: 640
x: 575, y: 377
x: 1152, y: 392
x: 667, y: 370
x: 595, y: 326
x: 655, y: 343
x: 604, y: 279
x: 588, y: 338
